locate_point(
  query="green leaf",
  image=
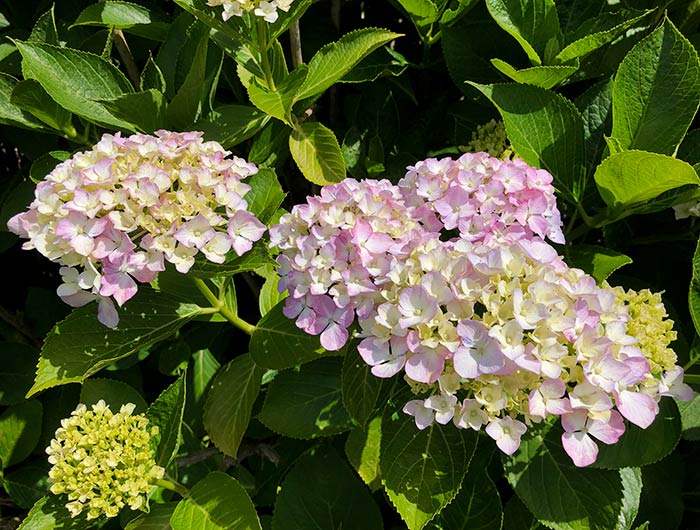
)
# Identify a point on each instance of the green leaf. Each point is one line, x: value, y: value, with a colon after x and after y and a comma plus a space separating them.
x: 270, y: 148
x: 269, y: 294
x: 362, y: 449
x: 382, y: 62
x: 80, y: 346
x: 422, y: 13
x: 278, y: 102
x: 199, y: 380
x: 130, y: 17
x: 75, y: 80
x: 663, y: 493
x: 152, y: 77
x: 233, y: 30
x: 30, y: 96
x: 595, y: 106
x: 10, y: 113
x: 113, y: 392
x: 45, y: 164
x: 306, y: 403
x: 694, y: 292
x: 451, y: 15
x: 656, y: 92
x: 158, y: 518
x: 630, y: 178
x: 477, y: 506
x: 315, y: 149
x: 640, y: 447
x: 186, y: 106
x: 255, y: 258
x: 231, y: 124
x: 335, y: 59
x: 546, y: 131
x: 44, y: 31
x: 598, y: 32
x: 17, y: 363
x: 361, y: 389
x: 145, y: 111
x: 571, y: 498
x: 690, y: 418
x: 322, y: 493
x: 166, y: 413
x: 541, y: 76
x: 217, y: 502
x: 277, y: 343
x: 28, y: 483
x: 230, y: 403
x: 265, y: 196
x: 599, y: 262
x: 533, y: 23
x: 20, y: 429
x: 422, y: 470
x: 49, y: 513
x: 517, y: 517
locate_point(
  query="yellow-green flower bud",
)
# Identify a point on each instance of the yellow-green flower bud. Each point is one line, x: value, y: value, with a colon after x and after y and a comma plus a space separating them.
x: 103, y: 461
x: 650, y: 325
x: 490, y: 138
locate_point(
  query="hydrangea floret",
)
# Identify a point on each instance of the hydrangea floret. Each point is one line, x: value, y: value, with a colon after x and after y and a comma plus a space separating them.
x: 114, y: 214
x: 490, y: 138
x: 260, y: 8
x: 103, y: 461
x: 453, y: 284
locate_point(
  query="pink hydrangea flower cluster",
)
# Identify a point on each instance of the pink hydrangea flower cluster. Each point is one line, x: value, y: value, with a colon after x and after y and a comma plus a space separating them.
x: 453, y: 284
x: 112, y: 215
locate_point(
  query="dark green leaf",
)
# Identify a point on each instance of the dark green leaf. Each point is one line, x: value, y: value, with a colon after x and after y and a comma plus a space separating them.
x: 217, y: 502
x: 29, y: 483
x: 230, y: 403
x: 656, y: 92
x: 422, y: 470
x: 571, y: 498
x: 145, y: 111
x: 44, y: 31
x: 595, y: 106
x: 517, y: 517
x: 20, y: 429
x: 545, y: 130
x: 30, y: 96
x: 80, y: 346
x: 277, y: 343
x: 690, y: 418
x: 158, y: 518
x: 599, y: 262
x: 130, y: 17
x: 380, y: 63
x: 640, y: 447
x: 152, y: 77
x: 166, y: 413
x: 477, y: 506
x: 10, y: 113
x: 662, y: 495
x: 231, y: 124
x: 75, y: 79
x: 255, y: 258
x: 266, y: 195
x: 361, y: 389
x: 541, y: 76
x: 334, y: 60
x: 199, y: 380
x: 315, y: 149
x: 45, y: 164
x: 533, y: 23
x: 17, y: 363
x: 322, y: 493
x: 113, y: 392
x: 306, y: 403
x: 630, y: 178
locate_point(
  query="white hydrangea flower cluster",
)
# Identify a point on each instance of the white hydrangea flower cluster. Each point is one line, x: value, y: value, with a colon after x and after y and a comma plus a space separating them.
x: 113, y: 214
x: 260, y: 8
x: 103, y: 461
x: 453, y: 283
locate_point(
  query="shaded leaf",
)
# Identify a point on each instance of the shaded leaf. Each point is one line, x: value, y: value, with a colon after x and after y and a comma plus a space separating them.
x: 114, y: 393
x: 231, y: 124
x: 20, y: 429
x: 166, y: 413
x: 132, y: 18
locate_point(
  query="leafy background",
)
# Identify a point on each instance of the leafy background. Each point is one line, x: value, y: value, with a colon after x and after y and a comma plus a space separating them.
x: 603, y: 96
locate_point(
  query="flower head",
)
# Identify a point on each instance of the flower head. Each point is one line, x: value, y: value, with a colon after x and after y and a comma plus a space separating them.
x: 260, y: 8
x: 113, y: 215
x: 103, y: 461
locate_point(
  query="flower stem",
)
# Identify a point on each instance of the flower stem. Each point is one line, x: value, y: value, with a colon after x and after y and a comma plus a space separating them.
x: 265, y: 62
x: 172, y: 485
x: 691, y: 378
x: 219, y: 305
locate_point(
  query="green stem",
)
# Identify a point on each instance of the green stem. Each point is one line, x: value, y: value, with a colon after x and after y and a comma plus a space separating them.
x: 218, y: 305
x: 263, y: 45
x: 691, y: 378
x: 173, y: 486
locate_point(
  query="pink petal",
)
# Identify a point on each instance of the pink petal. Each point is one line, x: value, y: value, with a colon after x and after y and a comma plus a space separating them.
x: 334, y: 337
x: 580, y: 447
x: 640, y: 409
x: 425, y: 367
x: 608, y: 432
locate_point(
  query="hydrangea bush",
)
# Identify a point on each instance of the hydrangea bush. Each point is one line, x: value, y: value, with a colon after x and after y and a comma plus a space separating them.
x: 381, y: 265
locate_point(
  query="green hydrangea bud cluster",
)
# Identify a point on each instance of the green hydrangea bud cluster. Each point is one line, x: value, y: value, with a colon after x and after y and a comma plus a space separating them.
x: 650, y: 325
x: 490, y: 138
x: 103, y: 461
